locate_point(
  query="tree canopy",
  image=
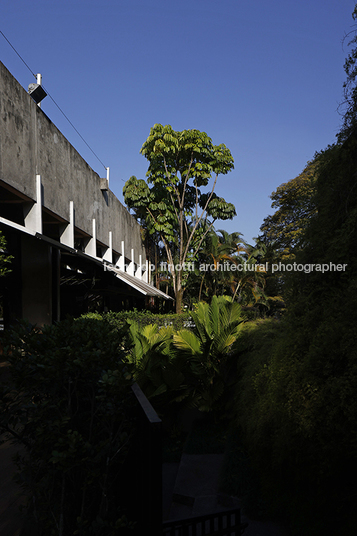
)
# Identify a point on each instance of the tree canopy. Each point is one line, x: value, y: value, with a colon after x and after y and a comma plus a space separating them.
x: 294, y: 201
x: 299, y: 410
x: 349, y: 106
x: 173, y: 201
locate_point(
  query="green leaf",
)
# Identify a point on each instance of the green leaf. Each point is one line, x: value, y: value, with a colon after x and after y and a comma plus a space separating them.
x: 186, y: 340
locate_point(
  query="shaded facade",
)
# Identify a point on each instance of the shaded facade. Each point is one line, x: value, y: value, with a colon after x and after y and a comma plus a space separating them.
x: 75, y: 246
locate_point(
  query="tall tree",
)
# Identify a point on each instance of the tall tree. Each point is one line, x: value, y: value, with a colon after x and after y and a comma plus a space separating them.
x: 216, y: 253
x: 349, y: 105
x: 249, y: 279
x: 174, y: 206
x: 294, y: 201
x: 305, y: 391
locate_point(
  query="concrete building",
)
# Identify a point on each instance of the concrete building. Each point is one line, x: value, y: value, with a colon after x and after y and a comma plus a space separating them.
x: 75, y: 246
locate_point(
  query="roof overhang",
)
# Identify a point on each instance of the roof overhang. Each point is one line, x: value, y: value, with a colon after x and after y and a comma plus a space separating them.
x: 138, y: 284
x: 134, y: 282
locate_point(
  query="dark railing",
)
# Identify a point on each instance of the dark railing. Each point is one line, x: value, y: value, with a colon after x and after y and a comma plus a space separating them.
x: 143, y: 484
x: 142, y: 476
x: 226, y: 523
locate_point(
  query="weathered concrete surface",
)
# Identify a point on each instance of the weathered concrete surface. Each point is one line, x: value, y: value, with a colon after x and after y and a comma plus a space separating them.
x: 30, y: 145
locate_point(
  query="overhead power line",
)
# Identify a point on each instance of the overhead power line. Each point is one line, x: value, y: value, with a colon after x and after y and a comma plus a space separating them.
x: 72, y: 125
x: 14, y: 49
x: 53, y: 100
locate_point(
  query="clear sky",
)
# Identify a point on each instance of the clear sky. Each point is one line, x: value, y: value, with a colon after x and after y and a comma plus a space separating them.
x: 263, y: 77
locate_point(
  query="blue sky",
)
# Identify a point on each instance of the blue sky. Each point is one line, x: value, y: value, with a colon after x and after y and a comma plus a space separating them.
x: 264, y: 78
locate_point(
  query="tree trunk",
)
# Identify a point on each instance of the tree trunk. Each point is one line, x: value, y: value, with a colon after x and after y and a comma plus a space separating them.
x: 178, y: 296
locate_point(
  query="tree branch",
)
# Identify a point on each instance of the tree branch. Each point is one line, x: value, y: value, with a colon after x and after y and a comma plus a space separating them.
x: 200, y: 218
x: 203, y: 237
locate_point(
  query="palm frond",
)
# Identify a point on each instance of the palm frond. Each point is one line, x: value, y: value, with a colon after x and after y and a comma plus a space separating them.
x: 187, y: 341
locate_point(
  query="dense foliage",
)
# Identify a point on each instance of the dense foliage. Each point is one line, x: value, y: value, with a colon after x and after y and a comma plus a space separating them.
x: 297, y: 394
x: 188, y: 367
x: 143, y: 318
x: 66, y: 403
x: 175, y: 207
x: 349, y: 105
x: 294, y: 204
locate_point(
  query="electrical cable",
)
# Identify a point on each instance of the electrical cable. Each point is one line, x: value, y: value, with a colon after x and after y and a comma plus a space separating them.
x: 14, y: 49
x: 72, y: 125
x: 52, y: 99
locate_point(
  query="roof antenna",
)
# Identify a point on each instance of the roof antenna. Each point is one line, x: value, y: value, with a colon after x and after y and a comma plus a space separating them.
x: 36, y: 91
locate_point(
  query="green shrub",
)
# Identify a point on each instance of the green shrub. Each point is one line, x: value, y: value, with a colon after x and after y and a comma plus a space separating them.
x: 297, y: 409
x: 67, y: 404
x: 189, y: 366
x: 144, y: 318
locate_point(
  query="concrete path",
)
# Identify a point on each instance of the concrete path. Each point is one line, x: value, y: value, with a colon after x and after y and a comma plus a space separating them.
x: 190, y: 489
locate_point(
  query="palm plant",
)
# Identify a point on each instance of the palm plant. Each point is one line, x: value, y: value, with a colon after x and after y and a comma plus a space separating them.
x: 249, y: 282
x: 207, y: 348
x: 152, y: 360
x: 163, y: 374
x: 216, y: 250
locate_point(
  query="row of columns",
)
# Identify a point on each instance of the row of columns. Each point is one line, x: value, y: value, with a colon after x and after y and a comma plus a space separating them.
x: 33, y: 223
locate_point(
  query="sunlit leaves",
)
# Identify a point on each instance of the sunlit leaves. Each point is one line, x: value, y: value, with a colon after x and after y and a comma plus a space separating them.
x: 171, y: 202
x: 349, y: 105
x: 295, y: 206
x: 188, y: 152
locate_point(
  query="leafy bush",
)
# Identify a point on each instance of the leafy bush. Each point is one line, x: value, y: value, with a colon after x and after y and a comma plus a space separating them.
x: 296, y: 407
x: 67, y: 403
x: 189, y: 366
x: 144, y: 318
x: 208, y: 348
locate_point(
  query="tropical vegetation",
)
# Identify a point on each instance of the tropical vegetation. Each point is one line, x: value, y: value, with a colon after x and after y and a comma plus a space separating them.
x: 187, y: 367
x: 66, y: 403
x: 285, y: 381
x: 297, y: 390
x: 175, y: 207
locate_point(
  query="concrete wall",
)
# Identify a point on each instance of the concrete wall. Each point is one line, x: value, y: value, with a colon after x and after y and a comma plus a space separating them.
x: 31, y: 145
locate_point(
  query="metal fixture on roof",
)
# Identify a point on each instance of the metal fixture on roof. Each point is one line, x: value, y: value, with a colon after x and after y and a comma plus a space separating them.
x: 36, y: 91
x: 104, y: 183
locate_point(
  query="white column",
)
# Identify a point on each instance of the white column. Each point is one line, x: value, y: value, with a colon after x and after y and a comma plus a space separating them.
x: 91, y: 247
x: 108, y: 255
x: 67, y: 235
x: 121, y: 261
x: 146, y: 274
x: 139, y: 269
x: 33, y: 211
x: 131, y: 266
